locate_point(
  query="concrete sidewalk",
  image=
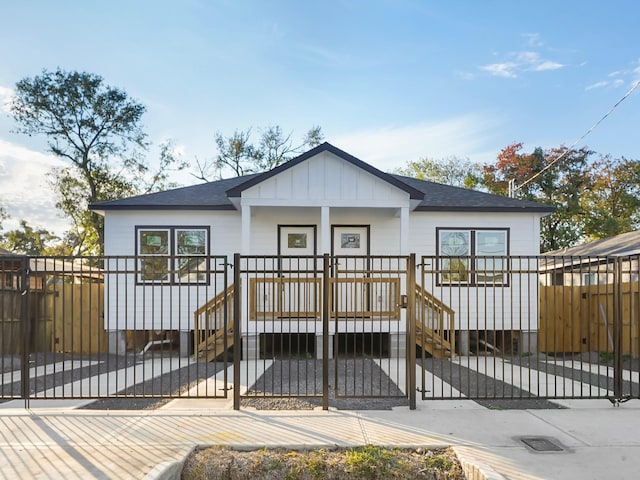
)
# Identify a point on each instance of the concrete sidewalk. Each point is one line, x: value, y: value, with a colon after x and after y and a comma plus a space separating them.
x: 597, y: 440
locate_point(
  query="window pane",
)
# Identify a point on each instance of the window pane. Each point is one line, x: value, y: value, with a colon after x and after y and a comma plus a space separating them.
x: 154, y: 269
x: 455, y: 243
x: 493, y: 245
x: 490, y: 270
x: 455, y: 269
x: 191, y: 242
x: 154, y: 242
x: 191, y: 269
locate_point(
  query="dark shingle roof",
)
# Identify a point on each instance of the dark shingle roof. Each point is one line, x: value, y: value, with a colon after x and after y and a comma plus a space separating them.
x: 206, y: 196
x: 439, y: 197
x: 216, y: 195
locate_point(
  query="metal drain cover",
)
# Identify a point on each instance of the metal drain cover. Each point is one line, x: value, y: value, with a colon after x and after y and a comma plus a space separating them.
x: 541, y: 444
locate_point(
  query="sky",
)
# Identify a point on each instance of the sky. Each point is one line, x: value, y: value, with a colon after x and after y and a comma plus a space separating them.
x: 389, y: 81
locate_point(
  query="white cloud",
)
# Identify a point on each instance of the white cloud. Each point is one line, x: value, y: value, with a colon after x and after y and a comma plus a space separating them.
x: 524, y: 61
x: 390, y: 147
x: 5, y: 96
x: 179, y: 150
x: 533, y: 39
x: 597, y: 85
x: 506, y: 70
x: 546, y: 65
x: 26, y: 194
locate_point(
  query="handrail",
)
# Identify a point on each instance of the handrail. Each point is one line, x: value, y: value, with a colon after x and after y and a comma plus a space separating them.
x: 211, y: 330
x: 424, y: 298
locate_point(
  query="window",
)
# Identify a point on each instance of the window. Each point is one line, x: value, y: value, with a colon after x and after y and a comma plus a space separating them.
x: 172, y: 254
x: 473, y: 256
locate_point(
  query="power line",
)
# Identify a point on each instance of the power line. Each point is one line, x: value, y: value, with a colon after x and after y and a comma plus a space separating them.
x: 513, y: 189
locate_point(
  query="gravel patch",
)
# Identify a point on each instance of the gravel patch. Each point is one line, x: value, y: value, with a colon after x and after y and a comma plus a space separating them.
x: 354, y: 384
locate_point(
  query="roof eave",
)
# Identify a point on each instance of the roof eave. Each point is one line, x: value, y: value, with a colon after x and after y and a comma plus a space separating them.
x: 103, y: 208
x: 442, y: 208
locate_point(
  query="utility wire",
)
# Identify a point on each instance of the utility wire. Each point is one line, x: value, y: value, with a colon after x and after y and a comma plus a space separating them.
x: 551, y: 164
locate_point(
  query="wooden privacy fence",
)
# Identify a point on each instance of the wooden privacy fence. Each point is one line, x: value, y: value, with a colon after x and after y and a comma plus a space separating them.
x: 68, y: 318
x: 584, y: 318
x: 10, y: 321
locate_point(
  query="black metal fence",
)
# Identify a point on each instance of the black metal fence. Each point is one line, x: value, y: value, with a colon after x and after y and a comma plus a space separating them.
x: 348, y: 331
x: 531, y: 328
x: 111, y: 327
x: 323, y: 328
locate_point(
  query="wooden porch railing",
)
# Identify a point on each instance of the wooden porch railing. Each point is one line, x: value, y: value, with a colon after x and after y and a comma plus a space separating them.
x: 284, y: 297
x: 435, y: 325
x: 295, y: 297
x: 211, y: 339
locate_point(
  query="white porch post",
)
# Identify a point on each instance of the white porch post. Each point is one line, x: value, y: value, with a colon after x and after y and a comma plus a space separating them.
x: 246, y: 230
x: 325, y: 230
x: 404, y: 231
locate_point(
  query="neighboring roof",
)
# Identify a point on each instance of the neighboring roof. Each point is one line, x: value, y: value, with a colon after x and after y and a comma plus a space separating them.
x: 217, y: 195
x: 61, y: 266
x: 618, y: 245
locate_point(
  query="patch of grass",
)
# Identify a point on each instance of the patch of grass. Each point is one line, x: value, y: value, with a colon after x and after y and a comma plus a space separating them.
x: 365, y: 462
x: 438, y: 461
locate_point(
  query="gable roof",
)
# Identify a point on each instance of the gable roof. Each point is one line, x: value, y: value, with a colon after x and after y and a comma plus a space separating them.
x: 618, y: 245
x: 217, y: 195
x: 414, y: 193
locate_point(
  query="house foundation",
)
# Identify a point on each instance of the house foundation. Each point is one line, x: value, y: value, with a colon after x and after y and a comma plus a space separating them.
x: 398, y: 345
x: 250, y: 347
x: 319, y: 338
x: 528, y: 342
x: 184, y: 343
x: 117, y: 342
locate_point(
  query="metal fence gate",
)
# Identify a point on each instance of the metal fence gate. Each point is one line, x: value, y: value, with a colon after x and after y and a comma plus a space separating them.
x: 110, y: 328
x: 533, y: 328
x: 323, y: 328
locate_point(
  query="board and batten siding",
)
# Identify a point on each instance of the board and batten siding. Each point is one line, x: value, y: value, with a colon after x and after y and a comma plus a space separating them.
x: 327, y: 181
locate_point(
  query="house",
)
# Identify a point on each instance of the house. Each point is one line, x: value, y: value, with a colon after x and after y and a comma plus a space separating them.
x: 325, y: 201
x: 44, y: 271
x: 594, y: 263
x: 590, y: 296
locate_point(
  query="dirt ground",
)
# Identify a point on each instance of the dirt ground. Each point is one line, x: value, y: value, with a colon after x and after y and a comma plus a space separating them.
x: 367, y: 462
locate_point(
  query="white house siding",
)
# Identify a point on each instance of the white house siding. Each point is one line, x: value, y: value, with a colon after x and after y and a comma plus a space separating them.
x: 492, y: 308
x: 158, y: 307
x: 325, y: 181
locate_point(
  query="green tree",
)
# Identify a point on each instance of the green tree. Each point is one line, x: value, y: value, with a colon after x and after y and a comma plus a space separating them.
x: 30, y: 241
x: 556, y: 177
x: 3, y: 216
x: 611, y: 204
x: 238, y: 155
x: 449, y: 171
x: 95, y: 128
